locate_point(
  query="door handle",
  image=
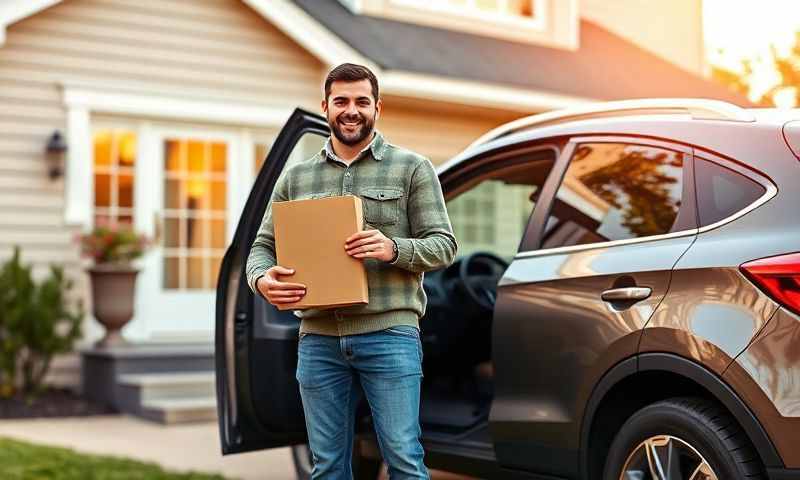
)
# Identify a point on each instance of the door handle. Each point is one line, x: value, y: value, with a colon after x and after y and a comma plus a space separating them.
x: 626, y: 294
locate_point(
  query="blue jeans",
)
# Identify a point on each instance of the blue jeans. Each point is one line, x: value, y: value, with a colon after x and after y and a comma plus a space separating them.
x: 388, y: 365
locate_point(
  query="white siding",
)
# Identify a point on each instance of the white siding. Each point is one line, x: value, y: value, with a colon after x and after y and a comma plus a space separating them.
x: 435, y: 130
x: 216, y: 49
x: 672, y: 29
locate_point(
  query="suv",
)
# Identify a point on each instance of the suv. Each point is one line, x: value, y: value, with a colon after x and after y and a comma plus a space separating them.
x: 626, y: 303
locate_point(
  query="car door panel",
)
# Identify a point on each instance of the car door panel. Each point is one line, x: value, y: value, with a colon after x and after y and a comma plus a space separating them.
x: 258, y: 401
x: 558, y: 336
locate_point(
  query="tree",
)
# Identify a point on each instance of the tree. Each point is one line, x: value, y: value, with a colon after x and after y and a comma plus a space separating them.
x: 787, y: 66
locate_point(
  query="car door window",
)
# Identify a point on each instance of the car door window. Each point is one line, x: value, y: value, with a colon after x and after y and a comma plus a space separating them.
x: 615, y: 191
x: 721, y: 192
x: 491, y: 214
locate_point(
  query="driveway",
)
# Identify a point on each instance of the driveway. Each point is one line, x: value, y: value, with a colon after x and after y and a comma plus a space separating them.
x: 175, y: 447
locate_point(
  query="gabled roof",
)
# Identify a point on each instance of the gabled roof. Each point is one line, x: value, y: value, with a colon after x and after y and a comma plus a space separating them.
x: 437, y: 64
x: 605, y: 66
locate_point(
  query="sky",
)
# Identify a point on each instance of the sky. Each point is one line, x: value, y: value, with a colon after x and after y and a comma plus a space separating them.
x: 737, y: 29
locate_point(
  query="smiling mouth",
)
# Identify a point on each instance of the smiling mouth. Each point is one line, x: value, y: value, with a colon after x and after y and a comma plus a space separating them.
x: 350, y: 124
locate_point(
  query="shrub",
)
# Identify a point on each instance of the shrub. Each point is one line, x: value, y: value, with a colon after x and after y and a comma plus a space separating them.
x: 114, y: 245
x: 36, y: 324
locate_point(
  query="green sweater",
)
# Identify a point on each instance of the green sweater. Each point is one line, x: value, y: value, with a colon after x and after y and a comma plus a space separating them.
x: 403, y: 199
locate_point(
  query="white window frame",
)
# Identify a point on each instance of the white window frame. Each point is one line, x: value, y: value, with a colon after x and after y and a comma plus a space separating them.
x: 555, y: 22
x: 537, y: 22
x: 82, y: 101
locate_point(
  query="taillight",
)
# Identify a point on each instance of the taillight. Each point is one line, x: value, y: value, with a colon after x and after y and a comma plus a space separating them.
x: 779, y: 277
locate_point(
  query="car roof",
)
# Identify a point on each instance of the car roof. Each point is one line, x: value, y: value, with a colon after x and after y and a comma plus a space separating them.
x: 687, y: 120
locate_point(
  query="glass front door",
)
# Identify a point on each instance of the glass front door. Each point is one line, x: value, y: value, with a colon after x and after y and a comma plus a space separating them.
x: 192, y: 200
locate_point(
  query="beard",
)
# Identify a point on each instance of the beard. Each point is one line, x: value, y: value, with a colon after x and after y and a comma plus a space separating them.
x: 362, y: 131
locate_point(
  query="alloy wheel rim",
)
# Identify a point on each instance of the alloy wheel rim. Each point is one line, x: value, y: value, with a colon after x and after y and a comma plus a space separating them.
x: 665, y: 457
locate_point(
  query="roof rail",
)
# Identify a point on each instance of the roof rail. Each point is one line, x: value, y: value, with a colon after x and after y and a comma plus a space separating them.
x: 698, y: 109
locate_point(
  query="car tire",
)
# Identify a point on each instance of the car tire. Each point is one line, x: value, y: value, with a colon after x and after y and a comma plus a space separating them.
x: 363, y: 468
x: 688, y: 428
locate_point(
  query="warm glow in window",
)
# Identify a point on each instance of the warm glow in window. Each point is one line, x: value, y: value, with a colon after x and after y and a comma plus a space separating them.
x: 195, y: 209
x: 481, y: 8
x: 114, y: 157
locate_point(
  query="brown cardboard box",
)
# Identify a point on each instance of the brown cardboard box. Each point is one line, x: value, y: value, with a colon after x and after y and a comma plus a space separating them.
x: 309, y: 237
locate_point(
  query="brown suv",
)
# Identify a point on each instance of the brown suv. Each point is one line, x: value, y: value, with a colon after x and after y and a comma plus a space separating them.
x: 626, y: 306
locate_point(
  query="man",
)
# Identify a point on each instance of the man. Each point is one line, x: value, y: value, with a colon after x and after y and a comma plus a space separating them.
x: 376, y: 345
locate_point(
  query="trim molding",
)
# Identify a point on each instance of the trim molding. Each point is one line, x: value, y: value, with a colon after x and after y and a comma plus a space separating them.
x: 308, y: 33
x: 13, y: 11
x: 429, y: 87
x: 97, y: 98
x: 82, y: 100
x: 329, y: 49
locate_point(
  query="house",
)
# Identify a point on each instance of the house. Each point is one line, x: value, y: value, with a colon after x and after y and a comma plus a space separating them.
x: 165, y: 103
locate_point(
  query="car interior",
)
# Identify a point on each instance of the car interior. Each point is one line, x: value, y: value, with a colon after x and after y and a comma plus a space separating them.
x: 489, y: 204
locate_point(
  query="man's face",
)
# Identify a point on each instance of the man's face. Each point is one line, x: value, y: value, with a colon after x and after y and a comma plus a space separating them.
x: 351, y: 111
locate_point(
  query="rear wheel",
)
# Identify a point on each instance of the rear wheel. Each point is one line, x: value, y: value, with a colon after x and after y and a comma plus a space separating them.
x: 682, y: 439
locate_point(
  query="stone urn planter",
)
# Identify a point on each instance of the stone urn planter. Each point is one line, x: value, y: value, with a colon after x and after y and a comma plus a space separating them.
x: 113, y: 288
x: 113, y: 276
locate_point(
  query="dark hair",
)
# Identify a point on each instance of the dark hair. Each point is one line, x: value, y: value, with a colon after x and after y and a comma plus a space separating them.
x: 350, y: 72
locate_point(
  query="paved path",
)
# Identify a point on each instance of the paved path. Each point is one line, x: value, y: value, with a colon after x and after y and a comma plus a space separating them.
x: 175, y: 447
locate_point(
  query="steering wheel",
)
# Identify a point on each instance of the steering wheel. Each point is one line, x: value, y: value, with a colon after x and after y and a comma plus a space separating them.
x: 481, y: 286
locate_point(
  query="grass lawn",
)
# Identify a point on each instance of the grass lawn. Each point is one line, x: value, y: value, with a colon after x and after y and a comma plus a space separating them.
x: 26, y: 461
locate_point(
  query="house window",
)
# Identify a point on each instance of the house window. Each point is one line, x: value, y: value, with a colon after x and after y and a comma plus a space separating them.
x: 552, y: 23
x: 195, y: 206
x: 114, y: 158
x: 492, y: 9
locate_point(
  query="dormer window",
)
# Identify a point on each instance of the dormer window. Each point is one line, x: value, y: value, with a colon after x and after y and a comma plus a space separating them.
x: 553, y: 23
x: 493, y: 10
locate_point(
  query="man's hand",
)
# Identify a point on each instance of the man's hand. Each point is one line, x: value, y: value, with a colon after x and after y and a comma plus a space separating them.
x: 278, y: 292
x: 370, y: 244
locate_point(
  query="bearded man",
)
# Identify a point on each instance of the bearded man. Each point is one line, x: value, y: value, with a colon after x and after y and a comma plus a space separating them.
x: 377, y: 345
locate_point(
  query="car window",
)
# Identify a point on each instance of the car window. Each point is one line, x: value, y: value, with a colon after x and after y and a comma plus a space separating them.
x: 490, y: 213
x: 721, y: 192
x: 615, y: 191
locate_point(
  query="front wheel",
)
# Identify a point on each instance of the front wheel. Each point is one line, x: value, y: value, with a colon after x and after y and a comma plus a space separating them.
x: 364, y: 468
x: 682, y: 439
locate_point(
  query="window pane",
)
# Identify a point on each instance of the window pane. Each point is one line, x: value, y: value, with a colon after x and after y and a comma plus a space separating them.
x: 172, y: 193
x: 102, y: 149
x: 171, y: 272
x: 489, y: 5
x: 616, y: 191
x: 196, y: 157
x: 520, y: 7
x: 721, y: 192
x: 491, y: 215
x: 125, y: 221
x: 218, y: 195
x: 198, y: 194
x: 172, y: 236
x: 126, y: 149
x: 195, y: 232
x: 173, y: 161
x: 217, y: 234
x: 219, y: 155
x: 102, y: 190
x: 194, y: 274
x: 125, y: 195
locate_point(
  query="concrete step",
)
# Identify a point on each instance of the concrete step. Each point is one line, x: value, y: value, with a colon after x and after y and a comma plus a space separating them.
x: 180, y: 410
x: 140, y: 389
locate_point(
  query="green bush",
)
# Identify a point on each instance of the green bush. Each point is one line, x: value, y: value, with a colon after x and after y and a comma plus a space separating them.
x: 36, y: 324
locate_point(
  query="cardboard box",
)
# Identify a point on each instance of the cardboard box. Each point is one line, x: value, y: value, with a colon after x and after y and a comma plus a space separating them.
x: 310, y: 237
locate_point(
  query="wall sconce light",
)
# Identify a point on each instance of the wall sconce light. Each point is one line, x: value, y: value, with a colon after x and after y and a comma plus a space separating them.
x: 55, y: 153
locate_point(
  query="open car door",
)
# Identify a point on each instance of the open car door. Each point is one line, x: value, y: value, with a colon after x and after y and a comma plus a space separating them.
x: 258, y: 400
